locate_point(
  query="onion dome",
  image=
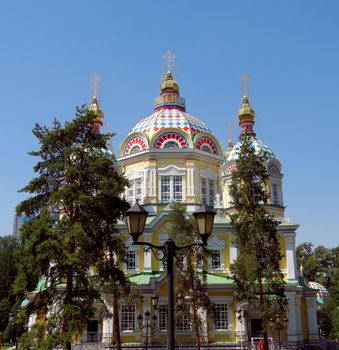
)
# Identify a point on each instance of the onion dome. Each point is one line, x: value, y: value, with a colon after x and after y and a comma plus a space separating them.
x: 94, y: 107
x: 246, y: 117
x: 246, y: 121
x: 169, y: 84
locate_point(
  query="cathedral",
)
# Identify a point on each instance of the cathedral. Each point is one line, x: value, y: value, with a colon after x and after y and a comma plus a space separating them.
x: 173, y: 156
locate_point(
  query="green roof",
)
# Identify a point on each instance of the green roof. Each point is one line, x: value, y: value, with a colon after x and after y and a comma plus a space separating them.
x: 216, y: 279
x: 144, y: 277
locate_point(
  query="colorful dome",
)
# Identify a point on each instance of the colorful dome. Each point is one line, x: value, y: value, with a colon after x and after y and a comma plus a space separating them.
x: 259, y: 147
x: 170, y: 117
x: 322, y: 292
x: 170, y: 126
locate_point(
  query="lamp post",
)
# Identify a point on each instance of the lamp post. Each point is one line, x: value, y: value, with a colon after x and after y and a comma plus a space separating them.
x: 279, y: 325
x: 147, y: 324
x: 11, y: 321
x: 136, y: 219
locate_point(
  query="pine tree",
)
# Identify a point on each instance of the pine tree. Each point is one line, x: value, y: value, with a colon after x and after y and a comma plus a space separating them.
x: 190, y: 283
x: 75, y: 201
x: 256, y: 271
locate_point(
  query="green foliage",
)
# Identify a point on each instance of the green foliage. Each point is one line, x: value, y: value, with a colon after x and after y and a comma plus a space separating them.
x: 322, y: 265
x: 190, y: 272
x: 9, y: 246
x: 75, y: 203
x: 256, y: 270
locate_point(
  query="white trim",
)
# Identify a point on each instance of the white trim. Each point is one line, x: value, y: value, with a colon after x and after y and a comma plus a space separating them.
x: 208, y: 174
x: 172, y: 170
x: 134, y: 174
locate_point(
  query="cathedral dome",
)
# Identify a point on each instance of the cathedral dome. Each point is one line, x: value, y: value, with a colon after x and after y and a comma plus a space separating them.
x: 170, y: 117
x: 259, y: 147
x: 170, y: 126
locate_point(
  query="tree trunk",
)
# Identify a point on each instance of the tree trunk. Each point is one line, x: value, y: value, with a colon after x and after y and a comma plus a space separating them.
x: 262, y: 305
x: 196, y: 327
x: 116, y: 331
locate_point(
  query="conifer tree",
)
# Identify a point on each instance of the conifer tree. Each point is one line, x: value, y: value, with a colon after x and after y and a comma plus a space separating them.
x: 256, y: 271
x: 75, y: 201
x: 190, y: 283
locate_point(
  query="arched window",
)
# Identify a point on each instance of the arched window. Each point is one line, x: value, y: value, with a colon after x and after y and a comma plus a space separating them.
x: 207, y: 149
x: 134, y: 149
x: 171, y: 144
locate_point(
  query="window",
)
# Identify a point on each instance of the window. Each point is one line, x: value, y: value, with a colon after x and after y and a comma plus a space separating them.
x: 162, y: 312
x: 206, y: 148
x: 207, y: 192
x: 135, y: 149
x: 128, y: 318
x: 171, y: 189
x: 211, y: 193
x: 134, y: 191
x: 203, y: 191
x: 220, y: 317
x: 171, y: 144
x: 275, y: 194
x: 130, y: 260
x: 216, y: 259
x: 183, y: 322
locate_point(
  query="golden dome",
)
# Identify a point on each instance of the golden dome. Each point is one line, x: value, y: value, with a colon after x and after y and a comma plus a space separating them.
x: 169, y: 84
x: 246, y: 110
x: 94, y: 107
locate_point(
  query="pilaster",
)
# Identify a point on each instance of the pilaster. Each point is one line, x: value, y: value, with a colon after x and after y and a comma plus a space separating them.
x: 294, y: 332
x: 312, y: 318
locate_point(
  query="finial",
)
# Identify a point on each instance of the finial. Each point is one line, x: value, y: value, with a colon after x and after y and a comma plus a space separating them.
x: 94, y: 106
x: 244, y: 85
x: 96, y: 79
x: 169, y: 64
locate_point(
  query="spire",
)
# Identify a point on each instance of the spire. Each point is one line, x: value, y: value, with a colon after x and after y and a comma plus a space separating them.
x: 169, y: 88
x: 94, y: 106
x: 246, y: 112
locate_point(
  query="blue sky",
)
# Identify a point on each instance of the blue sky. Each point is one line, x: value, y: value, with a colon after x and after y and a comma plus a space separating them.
x: 50, y: 49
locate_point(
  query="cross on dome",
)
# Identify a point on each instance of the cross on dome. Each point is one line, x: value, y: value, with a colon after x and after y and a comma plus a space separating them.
x: 95, y: 79
x: 169, y: 64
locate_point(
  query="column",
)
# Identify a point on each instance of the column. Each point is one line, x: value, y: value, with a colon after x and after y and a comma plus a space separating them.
x: 312, y: 318
x: 190, y: 182
x: 290, y: 257
x: 240, y: 324
x: 152, y: 182
x: 294, y: 333
x: 204, y: 325
x: 107, y: 326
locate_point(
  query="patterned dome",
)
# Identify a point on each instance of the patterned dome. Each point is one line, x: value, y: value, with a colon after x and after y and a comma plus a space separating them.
x: 169, y: 126
x: 322, y: 292
x: 259, y: 147
x: 169, y: 117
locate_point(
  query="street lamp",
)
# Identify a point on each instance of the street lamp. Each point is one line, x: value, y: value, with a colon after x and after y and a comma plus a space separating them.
x: 136, y: 219
x: 147, y: 324
x: 278, y: 324
x: 11, y: 321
